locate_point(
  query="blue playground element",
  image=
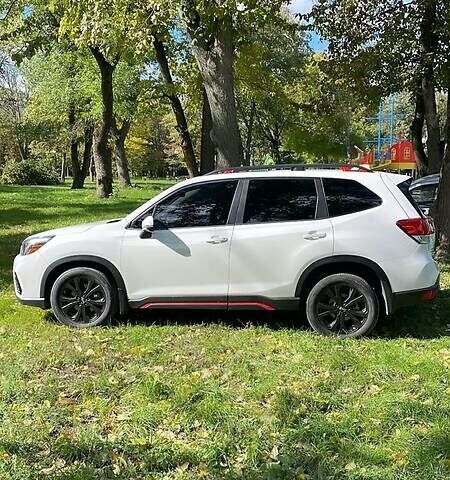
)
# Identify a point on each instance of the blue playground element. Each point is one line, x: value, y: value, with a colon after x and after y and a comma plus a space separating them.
x: 382, y: 119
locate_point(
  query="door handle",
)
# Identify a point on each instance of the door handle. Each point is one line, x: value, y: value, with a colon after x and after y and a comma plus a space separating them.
x: 216, y: 240
x: 314, y: 235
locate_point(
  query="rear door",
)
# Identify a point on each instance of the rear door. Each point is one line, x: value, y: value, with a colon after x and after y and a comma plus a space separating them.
x: 280, y: 230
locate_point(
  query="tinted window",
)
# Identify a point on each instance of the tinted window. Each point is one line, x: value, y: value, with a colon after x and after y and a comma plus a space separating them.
x: 348, y: 196
x: 283, y: 200
x: 198, y: 206
x: 424, y: 194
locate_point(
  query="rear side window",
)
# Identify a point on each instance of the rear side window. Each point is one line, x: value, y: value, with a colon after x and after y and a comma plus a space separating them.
x: 283, y: 200
x: 348, y: 196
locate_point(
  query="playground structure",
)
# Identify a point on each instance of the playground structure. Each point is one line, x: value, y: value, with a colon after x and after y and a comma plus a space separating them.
x: 399, y: 158
x: 383, y: 153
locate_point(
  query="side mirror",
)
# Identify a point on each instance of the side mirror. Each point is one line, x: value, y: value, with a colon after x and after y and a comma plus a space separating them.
x: 148, y: 227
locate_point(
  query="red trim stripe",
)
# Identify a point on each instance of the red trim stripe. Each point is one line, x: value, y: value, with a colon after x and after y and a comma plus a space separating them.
x: 261, y: 305
x: 264, y: 306
x: 181, y: 304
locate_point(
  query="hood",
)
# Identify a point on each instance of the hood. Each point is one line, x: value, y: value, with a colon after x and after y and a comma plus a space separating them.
x: 74, y: 229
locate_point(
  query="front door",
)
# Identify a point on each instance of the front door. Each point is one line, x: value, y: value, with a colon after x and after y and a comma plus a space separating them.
x: 186, y: 261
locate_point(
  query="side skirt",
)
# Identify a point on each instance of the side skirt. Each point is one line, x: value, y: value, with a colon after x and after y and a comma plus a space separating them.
x: 217, y: 303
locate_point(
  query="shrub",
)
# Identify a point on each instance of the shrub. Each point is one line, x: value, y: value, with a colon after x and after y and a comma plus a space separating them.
x: 29, y: 172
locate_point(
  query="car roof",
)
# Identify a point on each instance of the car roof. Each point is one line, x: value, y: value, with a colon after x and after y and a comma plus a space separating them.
x: 310, y: 173
x: 428, y: 180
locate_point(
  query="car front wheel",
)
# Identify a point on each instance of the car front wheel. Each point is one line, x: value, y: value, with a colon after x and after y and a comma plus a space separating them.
x: 82, y: 297
x: 342, y: 304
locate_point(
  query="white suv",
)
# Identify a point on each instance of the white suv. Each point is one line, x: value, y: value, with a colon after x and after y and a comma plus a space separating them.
x: 344, y: 245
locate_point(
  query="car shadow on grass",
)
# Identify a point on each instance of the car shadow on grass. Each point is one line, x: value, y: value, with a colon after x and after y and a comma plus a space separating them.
x: 427, y: 320
x: 423, y: 322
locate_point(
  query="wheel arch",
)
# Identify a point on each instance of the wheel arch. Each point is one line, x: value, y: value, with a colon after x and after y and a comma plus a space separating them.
x: 363, y: 267
x: 55, y: 269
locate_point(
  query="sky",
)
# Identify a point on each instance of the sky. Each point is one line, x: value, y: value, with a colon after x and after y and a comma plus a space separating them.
x: 304, y: 6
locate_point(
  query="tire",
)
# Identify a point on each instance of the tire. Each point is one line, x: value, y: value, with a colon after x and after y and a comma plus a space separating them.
x: 343, y: 305
x: 82, y: 297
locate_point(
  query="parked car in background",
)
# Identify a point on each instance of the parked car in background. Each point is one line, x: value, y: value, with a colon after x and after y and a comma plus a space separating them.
x: 424, y: 191
x: 341, y: 246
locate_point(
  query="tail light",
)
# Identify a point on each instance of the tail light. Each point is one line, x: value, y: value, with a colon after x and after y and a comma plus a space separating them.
x: 417, y: 228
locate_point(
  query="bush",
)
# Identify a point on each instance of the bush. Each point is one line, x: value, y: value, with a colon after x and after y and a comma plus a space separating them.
x: 29, y: 172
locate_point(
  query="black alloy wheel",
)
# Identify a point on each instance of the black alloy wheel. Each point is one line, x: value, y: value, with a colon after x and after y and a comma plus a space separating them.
x: 344, y: 305
x: 82, y: 297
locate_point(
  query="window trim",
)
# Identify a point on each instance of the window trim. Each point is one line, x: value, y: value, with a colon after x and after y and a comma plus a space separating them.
x: 320, y: 213
x: 231, y: 214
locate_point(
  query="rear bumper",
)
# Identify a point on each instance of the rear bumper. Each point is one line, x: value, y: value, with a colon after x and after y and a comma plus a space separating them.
x: 413, y: 297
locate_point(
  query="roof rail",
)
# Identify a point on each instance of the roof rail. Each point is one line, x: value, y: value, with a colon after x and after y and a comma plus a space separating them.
x: 347, y: 167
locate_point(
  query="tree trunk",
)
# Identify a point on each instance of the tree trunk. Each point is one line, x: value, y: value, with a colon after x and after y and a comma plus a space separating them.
x: 417, y: 134
x: 275, y: 144
x: 119, y: 136
x: 23, y: 149
x: 207, y: 148
x: 77, y: 176
x: 102, y: 150
x: 92, y: 169
x: 432, y: 120
x: 441, y: 210
x: 348, y: 132
x: 249, y: 139
x: 177, y: 108
x: 87, y: 152
x: 63, y: 168
x: 429, y: 43
x: 215, y: 63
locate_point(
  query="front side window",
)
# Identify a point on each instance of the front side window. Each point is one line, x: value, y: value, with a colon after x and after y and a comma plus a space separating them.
x: 202, y: 205
x: 348, y: 196
x: 283, y: 200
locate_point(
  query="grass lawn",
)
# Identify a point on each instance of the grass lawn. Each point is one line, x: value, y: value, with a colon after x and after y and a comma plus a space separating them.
x: 210, y: 395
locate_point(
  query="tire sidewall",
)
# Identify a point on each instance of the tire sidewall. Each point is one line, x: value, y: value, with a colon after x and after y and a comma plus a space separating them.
x: 82, y: 271
x: 353, y: 281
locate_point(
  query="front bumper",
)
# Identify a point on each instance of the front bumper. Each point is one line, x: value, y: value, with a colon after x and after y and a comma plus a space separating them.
x: 32, y: 302
x: 413, y: 297
x: 27, y: 275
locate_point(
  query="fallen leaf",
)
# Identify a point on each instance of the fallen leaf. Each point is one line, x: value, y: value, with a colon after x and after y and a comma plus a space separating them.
x: 399, y: 459
x: 274, y: 453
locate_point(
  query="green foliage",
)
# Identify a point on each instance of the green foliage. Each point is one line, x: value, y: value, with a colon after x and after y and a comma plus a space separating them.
x: 152, y: 146
x: 306, y: 107
x: 331, y: 118
x: 247, y: 16
x: 29, y: 172
x: 268, y: 67
x: 179, y: 396
x: 376, y: 44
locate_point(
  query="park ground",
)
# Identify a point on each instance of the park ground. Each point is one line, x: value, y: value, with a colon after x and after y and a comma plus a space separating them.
x: 208, y: 395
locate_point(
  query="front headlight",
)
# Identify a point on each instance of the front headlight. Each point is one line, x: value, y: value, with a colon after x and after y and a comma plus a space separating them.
x: 31, y: 245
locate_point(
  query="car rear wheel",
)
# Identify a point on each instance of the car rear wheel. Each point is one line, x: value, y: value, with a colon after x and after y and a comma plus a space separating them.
x: 82, y: 297
x: 344, y: 305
